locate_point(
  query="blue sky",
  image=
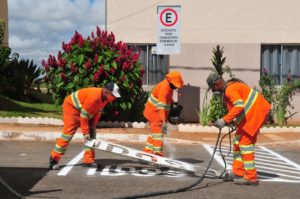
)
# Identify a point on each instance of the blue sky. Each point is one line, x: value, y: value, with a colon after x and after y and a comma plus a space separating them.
x: 37, y: 28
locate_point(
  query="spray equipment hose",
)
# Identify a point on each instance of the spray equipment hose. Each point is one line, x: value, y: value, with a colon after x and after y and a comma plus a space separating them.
x: 181, y: 189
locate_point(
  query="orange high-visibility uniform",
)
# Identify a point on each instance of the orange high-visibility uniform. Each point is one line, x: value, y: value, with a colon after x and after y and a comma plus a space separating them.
x: 79, y: 109
x: 156, y: 112
x: 248, y: 109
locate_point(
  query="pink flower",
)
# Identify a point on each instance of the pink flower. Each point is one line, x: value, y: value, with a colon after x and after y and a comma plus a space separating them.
x: 124, y: 66
x: 63, y: 77
x: 96, y: 58
x: 73, y: 68
x: 116, y: 113
x: 87, y: 65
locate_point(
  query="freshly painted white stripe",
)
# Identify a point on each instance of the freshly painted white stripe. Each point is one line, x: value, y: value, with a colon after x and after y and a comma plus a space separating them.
x: 91, y: 171
x: 217, y: 157
x: 281, y: 157
x: 271, y: 168
x: 70, y: 165
x: 279, y: 174
x: 227, y: 147
x: 255, y: 151
x: 264, y: 160
x: 281, y: 180
x: 278, y: 166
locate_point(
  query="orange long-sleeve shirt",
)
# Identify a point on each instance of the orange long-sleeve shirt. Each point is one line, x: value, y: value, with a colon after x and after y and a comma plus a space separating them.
x: 88, y: 103
x: 247, y: 107
x: 158, y: 105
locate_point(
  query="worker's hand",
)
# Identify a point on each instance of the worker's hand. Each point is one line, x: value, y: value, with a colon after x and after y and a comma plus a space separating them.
x: 220, y: 123
x: 165, y: 128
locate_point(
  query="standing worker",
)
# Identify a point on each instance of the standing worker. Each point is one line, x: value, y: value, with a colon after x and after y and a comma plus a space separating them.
x: 248, y: 109
x: 83, y: 109
x: 157, y: 109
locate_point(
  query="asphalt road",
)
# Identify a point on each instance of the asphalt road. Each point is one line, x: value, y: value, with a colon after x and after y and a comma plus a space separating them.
x: 24, y: 167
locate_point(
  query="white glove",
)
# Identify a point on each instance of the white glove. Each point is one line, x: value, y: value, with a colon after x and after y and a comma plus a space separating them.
x: 220, y: 123
x: 165, y: 127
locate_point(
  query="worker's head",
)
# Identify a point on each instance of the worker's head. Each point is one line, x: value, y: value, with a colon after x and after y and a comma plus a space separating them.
x: 111, y: 91
x: 215, y: 82
x: 175, y: 79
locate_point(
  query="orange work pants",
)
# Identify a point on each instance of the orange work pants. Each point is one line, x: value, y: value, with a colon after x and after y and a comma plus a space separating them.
x: 154, y: 144
x: 243, y: 155
x: 71, y: 123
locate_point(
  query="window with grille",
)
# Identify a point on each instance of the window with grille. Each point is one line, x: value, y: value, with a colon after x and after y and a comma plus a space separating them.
x: 281, y: 61
x: 156, y: 66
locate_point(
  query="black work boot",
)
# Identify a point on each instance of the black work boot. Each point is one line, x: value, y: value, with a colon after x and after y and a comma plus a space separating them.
x: 53, y: 164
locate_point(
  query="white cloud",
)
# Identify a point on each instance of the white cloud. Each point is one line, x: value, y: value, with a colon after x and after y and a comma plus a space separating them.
x: 37, y: 28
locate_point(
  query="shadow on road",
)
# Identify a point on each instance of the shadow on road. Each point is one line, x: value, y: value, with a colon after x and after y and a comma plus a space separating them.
x: 21, y: 180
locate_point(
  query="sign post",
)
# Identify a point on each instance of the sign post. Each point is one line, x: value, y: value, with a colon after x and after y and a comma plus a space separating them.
x: 168, y: 29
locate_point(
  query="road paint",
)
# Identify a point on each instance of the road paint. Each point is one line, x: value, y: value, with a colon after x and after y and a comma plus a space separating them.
x: 66, y: 169
x: 271, y: 166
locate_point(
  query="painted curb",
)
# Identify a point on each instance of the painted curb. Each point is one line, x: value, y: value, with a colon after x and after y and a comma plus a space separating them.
x: 195, y: 128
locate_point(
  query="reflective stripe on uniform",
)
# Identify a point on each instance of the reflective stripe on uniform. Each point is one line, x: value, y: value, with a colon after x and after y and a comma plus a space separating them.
x: 236, y: 139
x: 238, y: 103
x: 248, y: 104
x: 247, y: 149
x: 75, y: 100
x: 249, y: 165
x: 157, y: 136
x: 85, y: 114
x: 59, y: 149
x: 159, y: 105
x: 66, y: 137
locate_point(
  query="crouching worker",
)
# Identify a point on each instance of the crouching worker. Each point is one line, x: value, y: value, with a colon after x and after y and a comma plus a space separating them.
x: 82, y: 109
x: 248, y: 109
x: 157, y: 109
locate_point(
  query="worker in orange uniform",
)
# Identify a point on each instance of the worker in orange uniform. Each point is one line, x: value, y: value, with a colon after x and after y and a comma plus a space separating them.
x: 248, y: 109
x: 157, y: 109
x: 83, y: 109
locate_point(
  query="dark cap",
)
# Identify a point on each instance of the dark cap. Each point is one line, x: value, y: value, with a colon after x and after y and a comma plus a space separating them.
x: 211, y: 79
x: 113, y: 88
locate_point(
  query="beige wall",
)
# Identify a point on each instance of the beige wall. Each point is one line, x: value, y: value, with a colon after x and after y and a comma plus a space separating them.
x: 239, y: 26
x: 209, y: 21
x: 4, y: 15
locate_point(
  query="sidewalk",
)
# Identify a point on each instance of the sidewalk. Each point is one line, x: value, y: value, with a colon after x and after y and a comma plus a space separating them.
x: 38, y: 132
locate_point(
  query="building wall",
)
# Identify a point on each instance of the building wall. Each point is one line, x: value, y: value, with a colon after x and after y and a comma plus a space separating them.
x: 4, y: 15
x: 239, y: 26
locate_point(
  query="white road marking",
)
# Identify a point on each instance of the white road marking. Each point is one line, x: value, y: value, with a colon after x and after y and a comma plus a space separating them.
x: 272, y: 167
x: 70, y: 165
x: 91, y: 171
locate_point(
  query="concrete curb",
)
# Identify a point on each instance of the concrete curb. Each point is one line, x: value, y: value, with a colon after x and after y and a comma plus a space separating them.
x: 195, y: 128
x: 52, y: 136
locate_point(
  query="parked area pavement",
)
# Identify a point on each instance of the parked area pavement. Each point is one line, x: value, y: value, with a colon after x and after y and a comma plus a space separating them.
x: 24, y: 167
x: 25, y: 150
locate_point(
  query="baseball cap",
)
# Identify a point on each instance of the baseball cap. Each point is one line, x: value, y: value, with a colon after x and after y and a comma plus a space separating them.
x: 113, y: 88
x: 211, y: 79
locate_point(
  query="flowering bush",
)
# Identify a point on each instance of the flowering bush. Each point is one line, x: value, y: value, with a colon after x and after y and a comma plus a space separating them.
x: 95, y: 61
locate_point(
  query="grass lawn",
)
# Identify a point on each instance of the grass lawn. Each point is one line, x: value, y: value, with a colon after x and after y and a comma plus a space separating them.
x: 16, y: 108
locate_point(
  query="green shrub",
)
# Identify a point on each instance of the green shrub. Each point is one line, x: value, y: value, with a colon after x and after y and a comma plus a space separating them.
x: 20, y: 75
x: 95, y: 61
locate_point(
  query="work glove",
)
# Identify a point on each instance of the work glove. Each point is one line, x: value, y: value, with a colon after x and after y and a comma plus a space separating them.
x: 220, y: 123
x: 165, y: 128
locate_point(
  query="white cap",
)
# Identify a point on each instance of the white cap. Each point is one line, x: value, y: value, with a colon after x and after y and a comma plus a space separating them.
x: 113, y: 88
